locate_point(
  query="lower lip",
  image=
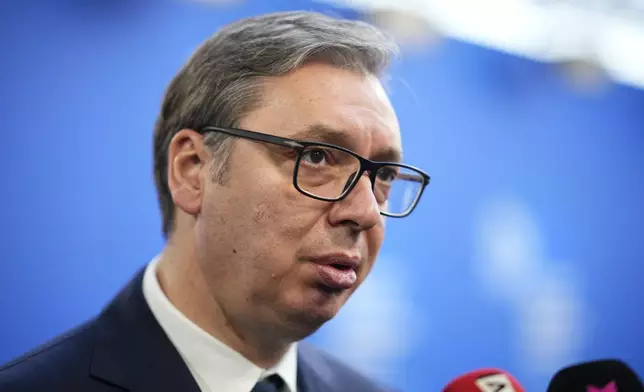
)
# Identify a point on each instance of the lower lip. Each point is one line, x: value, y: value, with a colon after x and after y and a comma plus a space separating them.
x: 336, y: 278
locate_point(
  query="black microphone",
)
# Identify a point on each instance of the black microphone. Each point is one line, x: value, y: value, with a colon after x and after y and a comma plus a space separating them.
x: 606, y: 375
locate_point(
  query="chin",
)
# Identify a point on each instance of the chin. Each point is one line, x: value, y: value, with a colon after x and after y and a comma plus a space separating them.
x: 319, y: 308
x: 305, y: 324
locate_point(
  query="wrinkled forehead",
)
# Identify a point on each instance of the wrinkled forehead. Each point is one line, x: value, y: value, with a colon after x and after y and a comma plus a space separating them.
x: 324, y: 103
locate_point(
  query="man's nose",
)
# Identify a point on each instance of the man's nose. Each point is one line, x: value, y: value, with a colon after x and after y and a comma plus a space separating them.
x: 359, y: 208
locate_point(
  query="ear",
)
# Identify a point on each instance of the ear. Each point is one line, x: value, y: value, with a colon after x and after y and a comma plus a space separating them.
x: 188, y: 159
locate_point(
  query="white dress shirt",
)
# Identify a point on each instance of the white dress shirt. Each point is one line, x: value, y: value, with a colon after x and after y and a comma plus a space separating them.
x: 215, y: 366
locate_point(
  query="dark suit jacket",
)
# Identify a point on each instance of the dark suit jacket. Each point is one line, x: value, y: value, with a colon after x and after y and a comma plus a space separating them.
x: 124, y: 348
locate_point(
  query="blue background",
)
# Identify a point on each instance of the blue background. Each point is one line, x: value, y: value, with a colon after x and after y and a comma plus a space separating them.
x: 508, y: 143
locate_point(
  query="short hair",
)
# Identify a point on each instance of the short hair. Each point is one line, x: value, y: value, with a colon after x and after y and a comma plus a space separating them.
x: 222, y: 80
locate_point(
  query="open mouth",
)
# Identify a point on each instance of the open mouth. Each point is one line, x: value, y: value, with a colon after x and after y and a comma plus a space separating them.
x: 341, y: 267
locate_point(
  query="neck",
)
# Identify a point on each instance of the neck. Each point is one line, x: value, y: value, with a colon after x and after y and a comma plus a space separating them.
x: 184, y: 285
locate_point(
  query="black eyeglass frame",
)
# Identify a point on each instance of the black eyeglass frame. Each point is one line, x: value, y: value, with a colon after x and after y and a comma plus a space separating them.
x: 366, y: 165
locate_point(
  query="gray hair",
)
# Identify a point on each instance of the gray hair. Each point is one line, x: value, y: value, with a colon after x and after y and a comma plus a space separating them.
x: 222, y: 81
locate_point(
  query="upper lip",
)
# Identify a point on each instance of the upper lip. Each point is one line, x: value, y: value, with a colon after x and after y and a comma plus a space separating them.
x: 339, y: 259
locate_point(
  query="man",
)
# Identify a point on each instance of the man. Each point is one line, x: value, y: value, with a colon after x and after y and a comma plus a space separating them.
x: 268, y: 160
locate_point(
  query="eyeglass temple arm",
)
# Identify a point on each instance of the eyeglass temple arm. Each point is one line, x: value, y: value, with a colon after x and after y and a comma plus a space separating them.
x: 411, y: 177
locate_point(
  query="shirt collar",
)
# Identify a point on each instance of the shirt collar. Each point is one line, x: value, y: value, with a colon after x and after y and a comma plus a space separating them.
x: 215, y: 366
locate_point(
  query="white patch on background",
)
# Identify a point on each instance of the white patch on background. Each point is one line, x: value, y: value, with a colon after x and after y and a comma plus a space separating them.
x: 552, y: 327
x: 513, y: 265
x: 508, y: 249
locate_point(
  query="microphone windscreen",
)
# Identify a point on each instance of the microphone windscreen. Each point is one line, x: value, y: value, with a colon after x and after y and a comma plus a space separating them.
x: 607, y: 375
x: 484, y: 380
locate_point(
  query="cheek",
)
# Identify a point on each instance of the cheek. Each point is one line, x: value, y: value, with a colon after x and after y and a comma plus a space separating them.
x: 283, y: 208
x: 375, y: 237
x: 374, y: 240
x: 272, y: 218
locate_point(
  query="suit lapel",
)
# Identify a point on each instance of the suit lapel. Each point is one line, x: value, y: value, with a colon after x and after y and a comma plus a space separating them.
x: 132, y: 350
x: 312, y: 374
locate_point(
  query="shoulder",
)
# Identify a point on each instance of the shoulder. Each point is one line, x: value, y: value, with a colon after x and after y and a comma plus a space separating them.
x: 58, y: 364
x: 338, y: 374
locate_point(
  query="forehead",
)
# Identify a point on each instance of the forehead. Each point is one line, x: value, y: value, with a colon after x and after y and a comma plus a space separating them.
x: 353, y: 108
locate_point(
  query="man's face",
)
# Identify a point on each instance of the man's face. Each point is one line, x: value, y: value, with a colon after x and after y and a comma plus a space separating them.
x: 260, y: 241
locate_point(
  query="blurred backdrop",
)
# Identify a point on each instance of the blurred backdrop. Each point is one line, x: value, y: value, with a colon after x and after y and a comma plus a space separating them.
x: 526, y: 252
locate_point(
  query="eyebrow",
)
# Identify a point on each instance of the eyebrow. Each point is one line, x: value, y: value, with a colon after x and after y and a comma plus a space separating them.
x: 326, y: 134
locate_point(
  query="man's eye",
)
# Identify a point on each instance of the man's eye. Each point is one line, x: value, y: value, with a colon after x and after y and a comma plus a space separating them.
x: 387, y: 174
x: 315, y: 156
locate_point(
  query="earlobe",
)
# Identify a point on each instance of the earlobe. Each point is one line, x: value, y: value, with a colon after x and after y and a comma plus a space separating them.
x: 186, y: 163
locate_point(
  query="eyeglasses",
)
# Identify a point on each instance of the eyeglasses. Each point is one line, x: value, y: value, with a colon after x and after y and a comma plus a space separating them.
x: 328, y: 172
